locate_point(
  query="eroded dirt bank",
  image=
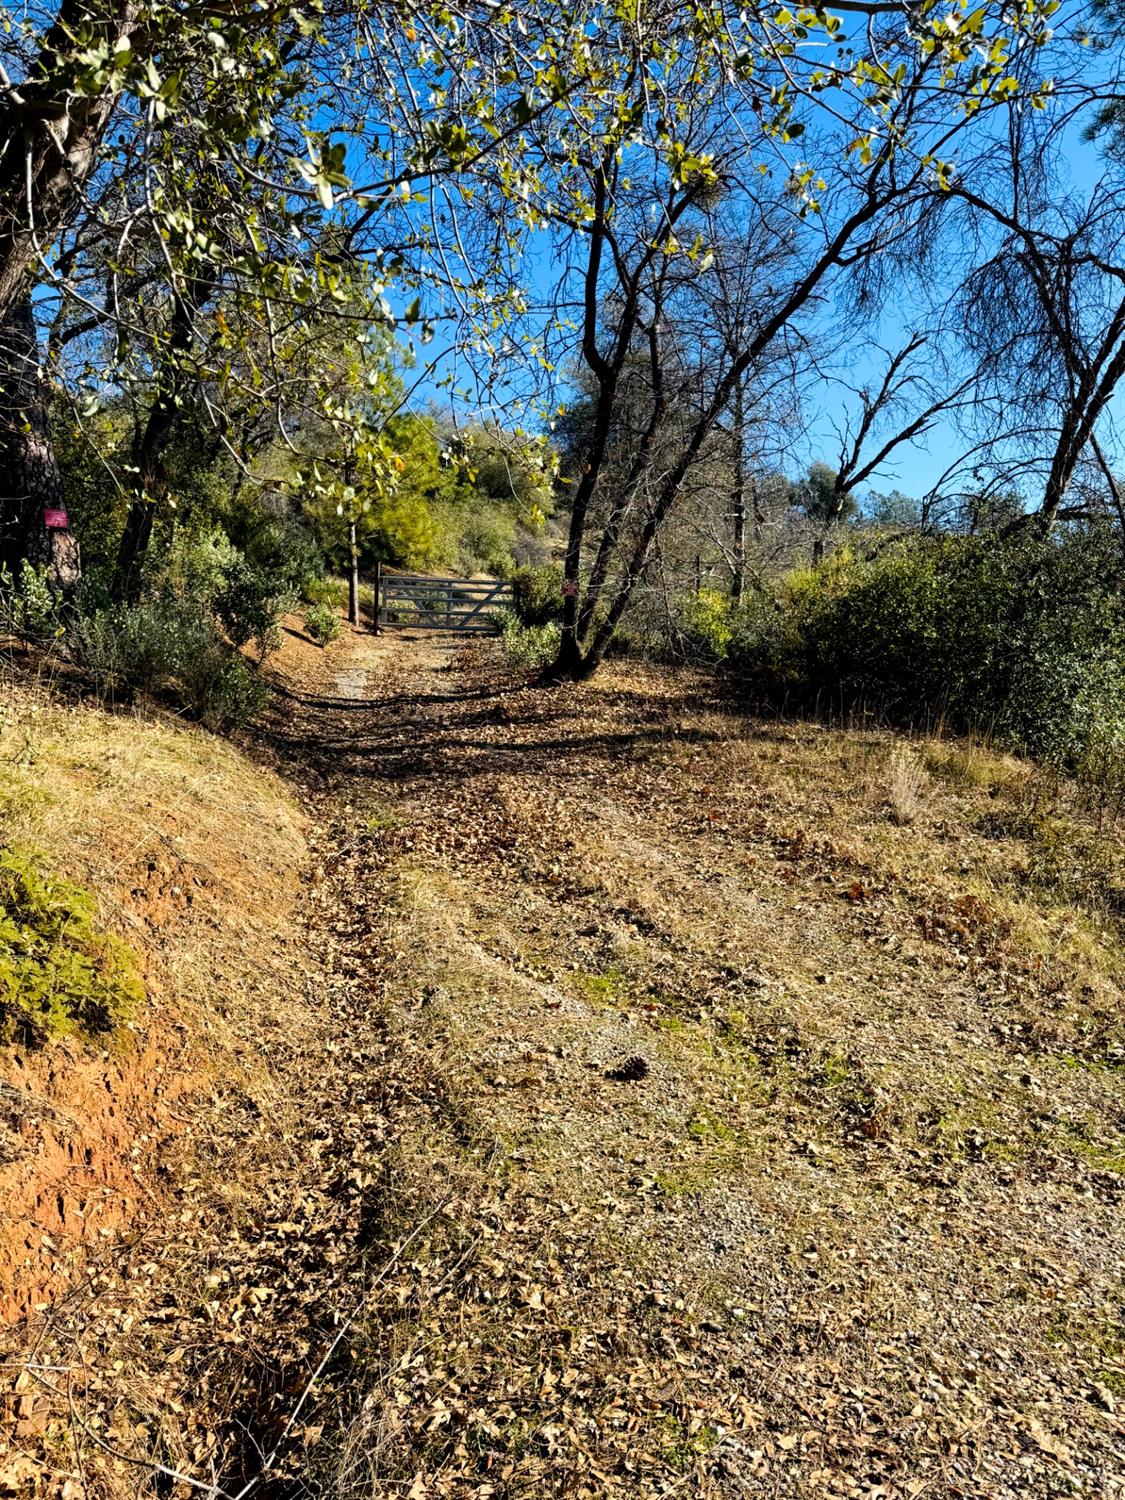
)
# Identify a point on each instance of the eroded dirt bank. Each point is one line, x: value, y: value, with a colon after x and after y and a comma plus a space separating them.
x: 662, y: 1109
x: 154, y: 820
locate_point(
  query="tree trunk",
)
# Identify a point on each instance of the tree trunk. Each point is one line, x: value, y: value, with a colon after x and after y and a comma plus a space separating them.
x: 738, y: 579
x: 149, y: 448
x: 572, y: 660
x: 33, y: 519
x: 568, y: 663
x: 624, y: 502
x: 607, y: 373
x: 49, y: 139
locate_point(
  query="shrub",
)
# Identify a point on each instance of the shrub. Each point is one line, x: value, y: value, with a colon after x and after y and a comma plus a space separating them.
x: 322, y: 623
x: 527, y: 645
x: 250, y: 606
x: 124, y: 649
x: 1020, y: 638
x: 284, y: 553
x: 537, y: 594
x: 167, y: 645
x: 486, y: 540
x: 222, y: 689
x: 326, y: 590
x: 248, y: 600
x: 199, y: 565
x: 58, y: 971
x: 29, y: 608
x: 710, y: 619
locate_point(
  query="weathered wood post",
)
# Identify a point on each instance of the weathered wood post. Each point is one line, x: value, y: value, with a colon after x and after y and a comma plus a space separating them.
x: 353, y: 576
x: 378, y: 591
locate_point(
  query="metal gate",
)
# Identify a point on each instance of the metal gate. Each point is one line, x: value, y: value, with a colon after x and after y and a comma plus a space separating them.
x: 413, y: 602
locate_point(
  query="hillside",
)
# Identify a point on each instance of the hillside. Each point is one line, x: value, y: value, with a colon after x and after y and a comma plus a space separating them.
x: 639, y: 1099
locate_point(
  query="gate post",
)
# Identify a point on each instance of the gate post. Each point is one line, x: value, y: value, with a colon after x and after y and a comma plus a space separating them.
x: 353, y: 575
x: 375, y: 603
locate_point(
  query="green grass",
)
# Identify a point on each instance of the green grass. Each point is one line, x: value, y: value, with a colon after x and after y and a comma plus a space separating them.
x: 706, y: 1127
x: 680, y: 1446
x: 606, y: 988
x: 382, y: 821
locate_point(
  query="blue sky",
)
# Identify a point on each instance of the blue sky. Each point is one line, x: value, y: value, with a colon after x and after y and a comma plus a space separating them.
x: 915, y: 468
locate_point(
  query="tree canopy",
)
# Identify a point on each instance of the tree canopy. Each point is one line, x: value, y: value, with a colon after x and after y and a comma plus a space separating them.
x: 643, y: 233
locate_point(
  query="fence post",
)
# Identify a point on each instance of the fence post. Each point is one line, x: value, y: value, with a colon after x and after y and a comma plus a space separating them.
x: 375, y: 602
x: 353, y: 575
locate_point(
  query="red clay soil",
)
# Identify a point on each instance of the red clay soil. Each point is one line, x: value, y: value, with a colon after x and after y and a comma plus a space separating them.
x: 79, y: 1139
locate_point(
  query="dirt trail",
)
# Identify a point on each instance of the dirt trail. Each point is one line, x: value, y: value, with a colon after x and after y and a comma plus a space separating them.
x: 662, y: 1118
x: 740, y: 1187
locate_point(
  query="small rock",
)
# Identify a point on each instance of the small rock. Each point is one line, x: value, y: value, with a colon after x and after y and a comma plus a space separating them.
x: 1102, y: 1396
x: 632, y: 1070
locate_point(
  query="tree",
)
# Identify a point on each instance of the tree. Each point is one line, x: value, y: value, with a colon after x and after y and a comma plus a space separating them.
x: 629, y: 203
x: 33, y: 521
x: 457, y: 134
x: 823, y: 497
x: 1045, y: 316
x: 64, y: 83
x: 218, y: 186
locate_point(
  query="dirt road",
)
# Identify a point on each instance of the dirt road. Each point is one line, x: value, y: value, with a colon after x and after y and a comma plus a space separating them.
x: 662, y: 1102
x: 765, y: 1154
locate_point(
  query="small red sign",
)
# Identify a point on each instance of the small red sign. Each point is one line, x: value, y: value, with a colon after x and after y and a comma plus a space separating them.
x: 570, y: 591
x: 56, y: 520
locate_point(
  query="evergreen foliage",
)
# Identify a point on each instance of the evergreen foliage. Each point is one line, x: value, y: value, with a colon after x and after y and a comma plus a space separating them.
x: 59, y: 972
x: 1021, y: 637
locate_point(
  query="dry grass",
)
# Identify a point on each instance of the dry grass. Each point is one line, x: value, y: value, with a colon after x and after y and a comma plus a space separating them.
x: 194, y: 855
x: 970, y: 763
x: 101, y: 791
x: 906, y: 785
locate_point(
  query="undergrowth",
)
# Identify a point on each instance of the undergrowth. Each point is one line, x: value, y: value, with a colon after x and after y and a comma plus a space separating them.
x: 323, y: 623
x: 1018, y: 639
x: 527, y: 645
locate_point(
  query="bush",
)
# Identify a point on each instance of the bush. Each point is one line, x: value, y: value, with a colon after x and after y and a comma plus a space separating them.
x: 167, y: 645
x: 283, y: 552
x: 250, y: 606
x: 199, y: 565
x: 1020, y: 638
x: 322, y: 623
x: 537, y: 594
x: 527, y: 645
x: 124, y: 649
x: 486, y: 540
x: 246, y: 599
x: 29, y: 608
x: 222, y: 689
x: 59, y: 972
x: 326, y: 590
x: 710, y: 620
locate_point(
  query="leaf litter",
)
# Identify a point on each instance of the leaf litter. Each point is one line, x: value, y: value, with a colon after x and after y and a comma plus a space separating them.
x: 847, y: 1232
